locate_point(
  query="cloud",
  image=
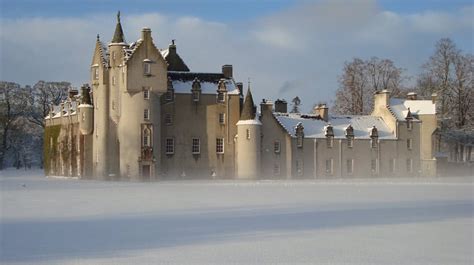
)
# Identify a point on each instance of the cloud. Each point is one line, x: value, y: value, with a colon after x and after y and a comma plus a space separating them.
x: 298, y: 51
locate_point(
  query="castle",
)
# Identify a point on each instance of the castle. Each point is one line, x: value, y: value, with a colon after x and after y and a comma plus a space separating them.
x: 146, y: 116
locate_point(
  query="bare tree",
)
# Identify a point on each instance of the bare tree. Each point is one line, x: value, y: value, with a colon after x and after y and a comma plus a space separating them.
x: 296, y: 105
x: 360, y: 79
x: 13, y: 105
x: 461, y: 92
x: 44, y: 94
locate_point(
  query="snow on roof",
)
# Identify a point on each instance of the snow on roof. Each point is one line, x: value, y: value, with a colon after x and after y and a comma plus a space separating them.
x: 164, y: 52
x: 417, y: 107
x: 184, y: 87
x: 315, y: 128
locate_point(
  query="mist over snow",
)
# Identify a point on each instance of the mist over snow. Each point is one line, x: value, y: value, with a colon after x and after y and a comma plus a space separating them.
x: 296, y: 51
x: 333, y: 221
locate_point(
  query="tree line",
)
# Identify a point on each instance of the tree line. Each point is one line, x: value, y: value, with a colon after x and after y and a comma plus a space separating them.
x: 22, y: 112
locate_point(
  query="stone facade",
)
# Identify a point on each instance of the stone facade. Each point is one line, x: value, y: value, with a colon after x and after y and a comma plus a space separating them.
x: 146, y: 116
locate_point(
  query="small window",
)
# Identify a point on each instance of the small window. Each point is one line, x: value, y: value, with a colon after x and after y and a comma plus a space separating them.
x: 146, y: 137
x: 409, y: 144
x: 113, y: 80
x: 276, y: 147
x: 373, y: 142
x: 373, y: 165
x: 146, y: 114
x: 350, y: 166
x: 168, y: 119
x: 330, y: 141
x: 409, y: 125
x: 113, y: 55
x: 409, y: 165
x: 146, y: 94
x: 329, y: 166
x: 392, y: 165
x: 248, y: 134
x: 196, y: 147
x: 169, y: 95
x: 147, y: 68
x: 299, y: 167
x: 299, y: 141
x: 221, y: 118
x: 220, y: 145
x: 276, y: 169
x: 350, y: 142
x: 96, y: 73
x: 195, y: 96
x: 220, y: 97
x: 169, y: 147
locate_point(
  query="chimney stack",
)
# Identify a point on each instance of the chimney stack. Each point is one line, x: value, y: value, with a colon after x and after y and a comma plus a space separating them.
x: 146, y: 34
x: 412, y: 96
x: 434, y: 98
x: 227, y: 70
x: 323, y: 111
x: 281, y: 106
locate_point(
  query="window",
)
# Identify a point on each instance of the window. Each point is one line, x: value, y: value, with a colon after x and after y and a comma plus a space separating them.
x: 168, y: 119
x: 169, y: 147
x: 350, y: 142
x: 220, y: 97
x: 195, y: 96
x: 409, y: 144
x: 350, y: 166
x: 276, y: 169
x: 196, y: 147
x: 373, y: 142
x: 276, y: 147
x: 373, y: 165
x: 248, y: 134
x: 330, y: 141
x: 329, y: 166
x: 221, y: 118
x: 146, y: 94
x: 392, y: 165
x: 409, y: 125
x: 146, y: 137
x: 113, y: 80
x: 113, y: 55
x: 299, y: 167
x: 147, y: 68
x: 146, y: 114
x: 220, y: 145
x: 96, y: 73
x: 409, y: 165
x: 169, y: 95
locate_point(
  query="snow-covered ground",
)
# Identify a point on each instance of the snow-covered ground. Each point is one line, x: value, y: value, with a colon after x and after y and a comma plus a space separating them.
x: 362, y: 221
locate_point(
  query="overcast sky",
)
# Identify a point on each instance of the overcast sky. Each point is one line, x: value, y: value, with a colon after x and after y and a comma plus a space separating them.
x: 286, y: 47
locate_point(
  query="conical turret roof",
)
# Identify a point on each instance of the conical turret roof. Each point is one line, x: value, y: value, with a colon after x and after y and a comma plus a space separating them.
x: 248, y: 110
x: 118, y: 35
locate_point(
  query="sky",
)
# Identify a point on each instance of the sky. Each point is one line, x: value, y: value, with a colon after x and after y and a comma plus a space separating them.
x: 286, y: 48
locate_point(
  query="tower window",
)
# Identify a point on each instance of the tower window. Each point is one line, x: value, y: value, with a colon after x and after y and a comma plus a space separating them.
x: 146, y: 93
x: 409, y: 144
x: 221, y: 118
x: 169, y: 146
x: 146, y: 114
x: 168, y: 119
x: 196, y: 147
x: 276, y: 147
x: 220, y: 145
x: 147, y: 68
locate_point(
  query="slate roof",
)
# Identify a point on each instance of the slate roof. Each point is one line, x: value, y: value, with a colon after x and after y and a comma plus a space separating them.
x: 248, y: 110
x: 118, y: 34
x: 315, y: 128
x: 175, y: 63
x: 182, y: 82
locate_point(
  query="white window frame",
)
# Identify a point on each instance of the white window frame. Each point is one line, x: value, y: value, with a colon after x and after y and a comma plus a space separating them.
x: 196, y: 146
x: 220, y: 145
x: 222, y: 118
x: 96, y: 72
x: 146, y: 93
x: 276, y: 146
x: 147, y: 68
x: 146, y: 114
x: 350, y: 166
x: 169, y: 146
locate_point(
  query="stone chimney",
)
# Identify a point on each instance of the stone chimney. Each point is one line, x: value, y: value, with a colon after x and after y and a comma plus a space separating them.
x: 434, y: 98
x: 281, y: 106
x: 146, y: 34
x: 72, y: 94
x: 323, y: 111
x: 227, y: 70
x: 412, y: 96
x: 381, y: 99
x: 266, y: 106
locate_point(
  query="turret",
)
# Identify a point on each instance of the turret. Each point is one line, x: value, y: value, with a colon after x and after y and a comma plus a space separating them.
x: 86, y: 112
x: 248, y: 141
x: 117, y: 44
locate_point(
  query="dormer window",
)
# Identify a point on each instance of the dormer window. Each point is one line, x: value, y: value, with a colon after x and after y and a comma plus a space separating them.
x: 147, y: 67
x: 374, y: 136
x: 329, y: 133
x: 299, y: 135
x: 350, y: 136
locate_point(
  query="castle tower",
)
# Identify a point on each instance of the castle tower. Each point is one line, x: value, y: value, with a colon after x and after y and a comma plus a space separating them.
x: 248, y: 141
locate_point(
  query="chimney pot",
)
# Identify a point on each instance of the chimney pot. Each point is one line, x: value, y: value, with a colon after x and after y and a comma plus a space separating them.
x: 227, y: 70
